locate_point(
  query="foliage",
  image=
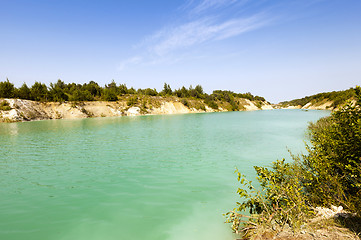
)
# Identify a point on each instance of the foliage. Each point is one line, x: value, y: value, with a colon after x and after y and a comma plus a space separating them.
x: 109, y: 95
x: 6, y: 89
x: 329, y: 174
x: 334, y: 161
x: 132, y: 101
x: 210, y: 101
x: 150, y: 92
x: 200, y: 106
x: 23, y: 92
x: 185, y: 102
x: 339, y: 98
x: 280, y: 201
x: 167, y: 90
x: 258, y: 104
x: 225, y: 95
x: 4, y: 106
x: 39, y: 91
x: 56, y: 91
x: 182, y: 92
x: 61, y: 92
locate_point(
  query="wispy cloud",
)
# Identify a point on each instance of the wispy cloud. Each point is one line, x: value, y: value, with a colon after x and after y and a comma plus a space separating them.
x: 200, y: 26
x: 202, y: 30
x: 211, y: 4
x: 130, y: 61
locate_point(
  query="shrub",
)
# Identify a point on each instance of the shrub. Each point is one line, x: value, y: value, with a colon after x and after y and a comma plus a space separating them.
x: 132, y: 101
x: 150, y: 92
x: 212, y: 104
x: 209, y: 100
x: 329, y: 174
x: 185, y: 102
x: 200, y: 106
x: 4, y: 106
x: 258, y: 104
x: 109, y: 95
x: 280, y: 201
x: 334, y: 160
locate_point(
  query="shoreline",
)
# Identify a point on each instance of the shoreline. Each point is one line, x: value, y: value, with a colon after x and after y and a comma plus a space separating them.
x: 19, y: 110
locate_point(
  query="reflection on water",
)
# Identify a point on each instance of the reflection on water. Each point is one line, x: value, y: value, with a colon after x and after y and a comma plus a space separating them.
x: 149, y: 177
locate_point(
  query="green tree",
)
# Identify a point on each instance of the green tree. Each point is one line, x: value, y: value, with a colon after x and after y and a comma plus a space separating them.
x: 56, y: 91
x: 167, y: 90
x: 122, y: 89
x: 39, y: 91
x: 199, y: 91
x: 94, y: 89
x: 24, y: 92
x: 151, y: 92
x: 109, y: 95
x: 6, y: 89
x: 182, y: 92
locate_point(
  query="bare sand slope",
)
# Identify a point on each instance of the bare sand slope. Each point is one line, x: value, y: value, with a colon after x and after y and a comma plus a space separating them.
x: 26, y: 110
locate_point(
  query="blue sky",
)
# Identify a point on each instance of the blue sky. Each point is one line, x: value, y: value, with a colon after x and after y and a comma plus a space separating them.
x: 279, y: 49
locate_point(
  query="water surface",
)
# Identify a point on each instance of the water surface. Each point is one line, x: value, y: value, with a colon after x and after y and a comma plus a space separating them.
x: 149, y: 177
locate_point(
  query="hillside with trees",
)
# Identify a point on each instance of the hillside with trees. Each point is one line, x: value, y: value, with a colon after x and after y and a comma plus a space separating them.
x: 335, y: 99
x: 67, y: 100
x: 92, y: 91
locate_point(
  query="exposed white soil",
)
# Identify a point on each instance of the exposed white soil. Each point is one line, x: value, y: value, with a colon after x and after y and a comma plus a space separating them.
x: 26, y: 110
x: 323, y: 105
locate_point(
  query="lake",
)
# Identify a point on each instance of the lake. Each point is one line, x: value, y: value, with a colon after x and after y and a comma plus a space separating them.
x: 166, y: 177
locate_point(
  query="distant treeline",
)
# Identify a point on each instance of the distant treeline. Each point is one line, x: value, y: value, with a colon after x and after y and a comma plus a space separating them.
x: 92, y: 91
x: 338, y: 97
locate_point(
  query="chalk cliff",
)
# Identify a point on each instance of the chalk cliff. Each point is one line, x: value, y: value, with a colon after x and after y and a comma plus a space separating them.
x: 26, y: 110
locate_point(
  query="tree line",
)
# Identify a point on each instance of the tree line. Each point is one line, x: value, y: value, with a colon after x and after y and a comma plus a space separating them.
x: 338, y: 98
x: 92, y: 91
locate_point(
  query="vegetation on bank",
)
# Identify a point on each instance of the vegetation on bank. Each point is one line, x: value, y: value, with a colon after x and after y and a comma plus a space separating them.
x: 92, y: 91
x: 338, y: 98
x: 330, y: 174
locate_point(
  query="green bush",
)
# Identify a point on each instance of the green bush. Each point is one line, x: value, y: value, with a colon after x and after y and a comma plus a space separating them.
x: 209, y: 100
x: 132, y: 101
x: 4, y: 106
x: 333, y: 162
x: 109, y: 95
x: 212, y: 104
x: 281, y: 200
x: 185, y: 102
x: 330, y: 174
x: 258, y: 104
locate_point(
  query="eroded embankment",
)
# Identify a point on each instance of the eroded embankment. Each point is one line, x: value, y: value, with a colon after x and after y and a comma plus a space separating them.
x: 314, y: 105
x: 324, y: 104
x: 15, y: 110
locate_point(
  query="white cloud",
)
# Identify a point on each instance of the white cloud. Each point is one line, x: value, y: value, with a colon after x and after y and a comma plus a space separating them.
x: 133, y: 60
x: 208, y: 4
x: 201, y: 26
x: 200, y: 31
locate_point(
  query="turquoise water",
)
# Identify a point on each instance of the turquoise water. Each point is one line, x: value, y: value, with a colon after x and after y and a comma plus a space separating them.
x: 149, y: 177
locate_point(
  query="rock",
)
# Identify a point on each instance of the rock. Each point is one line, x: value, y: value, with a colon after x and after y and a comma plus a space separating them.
x: 133, y: 111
